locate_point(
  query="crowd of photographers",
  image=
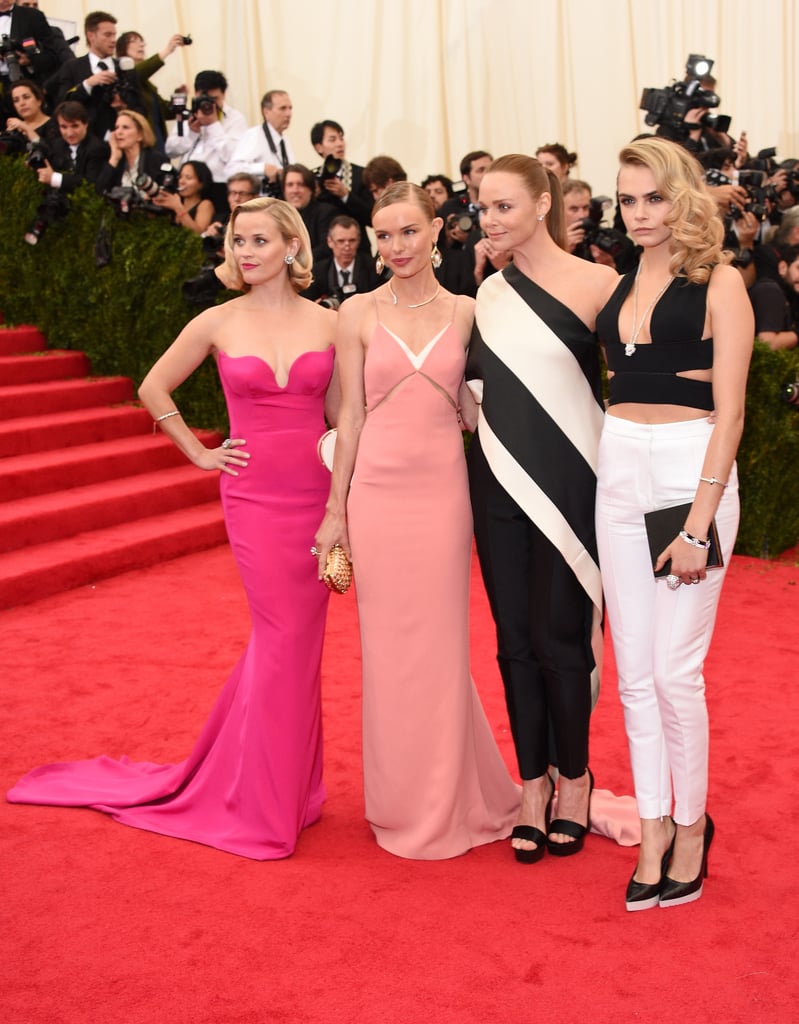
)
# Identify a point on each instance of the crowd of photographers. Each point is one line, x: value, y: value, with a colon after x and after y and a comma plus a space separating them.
x: 195, y: 158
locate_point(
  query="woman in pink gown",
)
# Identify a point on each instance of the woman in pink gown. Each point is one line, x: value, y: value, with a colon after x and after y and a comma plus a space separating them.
x: 435, y: 783
x: 254, y: 778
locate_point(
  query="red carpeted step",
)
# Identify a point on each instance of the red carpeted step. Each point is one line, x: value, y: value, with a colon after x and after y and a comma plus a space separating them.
x: 54, y: 364
x: 21, y: 339
x: 53, y: 517
x: 25, y: 476
x: 67, y: 429
x: 63, y: 395
x: 50, y: 568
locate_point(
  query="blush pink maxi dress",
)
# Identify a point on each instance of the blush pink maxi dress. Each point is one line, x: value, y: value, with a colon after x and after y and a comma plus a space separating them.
x: 435, y: 783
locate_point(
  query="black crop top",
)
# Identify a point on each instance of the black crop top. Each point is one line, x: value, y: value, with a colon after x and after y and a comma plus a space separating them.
x: 650, y: 374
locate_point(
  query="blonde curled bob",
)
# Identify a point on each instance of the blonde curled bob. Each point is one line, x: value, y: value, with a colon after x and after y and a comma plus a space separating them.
x: 291, y: 228
x: 697, y: 231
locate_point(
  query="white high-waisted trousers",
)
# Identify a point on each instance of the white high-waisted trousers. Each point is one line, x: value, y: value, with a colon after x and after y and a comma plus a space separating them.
x: 660, y: 636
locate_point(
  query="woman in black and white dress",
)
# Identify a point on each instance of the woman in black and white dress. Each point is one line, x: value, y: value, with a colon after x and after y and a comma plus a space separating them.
x: 534, y: 366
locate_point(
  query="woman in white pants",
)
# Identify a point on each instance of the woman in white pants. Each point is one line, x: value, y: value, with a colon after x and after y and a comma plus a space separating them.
x: 678, y: 337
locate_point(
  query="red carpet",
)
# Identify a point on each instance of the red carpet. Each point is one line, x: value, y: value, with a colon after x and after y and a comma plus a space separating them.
x: 78, y: 463
x: 104, y: 924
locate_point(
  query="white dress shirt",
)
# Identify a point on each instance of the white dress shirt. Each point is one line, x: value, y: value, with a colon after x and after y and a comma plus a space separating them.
x: 253, y: 151
x: 213, y: 144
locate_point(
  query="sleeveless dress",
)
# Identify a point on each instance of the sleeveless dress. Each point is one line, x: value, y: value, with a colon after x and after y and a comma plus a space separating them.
x: 254, y: 778
x: 435, y: 783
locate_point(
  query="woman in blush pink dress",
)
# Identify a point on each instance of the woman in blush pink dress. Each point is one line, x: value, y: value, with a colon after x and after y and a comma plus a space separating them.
x: 435, y: 783
x: 254, y: 778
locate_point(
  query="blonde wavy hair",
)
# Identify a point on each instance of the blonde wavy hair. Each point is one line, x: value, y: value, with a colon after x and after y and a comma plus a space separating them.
x: 290, y: 225
x: 697, y: 231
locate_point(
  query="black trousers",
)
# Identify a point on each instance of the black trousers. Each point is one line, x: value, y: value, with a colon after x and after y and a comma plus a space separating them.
x: 543, y: 619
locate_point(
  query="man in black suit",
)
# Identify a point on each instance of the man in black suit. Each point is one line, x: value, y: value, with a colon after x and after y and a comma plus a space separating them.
x: 91, y: 79
x: 346, y: 271
x: 35, y: 57
x: 340, y: 182
x: 61, y: 46
x: 77, y: 155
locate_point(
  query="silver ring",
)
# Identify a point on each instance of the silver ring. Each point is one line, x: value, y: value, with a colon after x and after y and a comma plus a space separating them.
x: 673, y: 582
x: 314, y: 551
x: 694, y: 579
x: 227, y: 443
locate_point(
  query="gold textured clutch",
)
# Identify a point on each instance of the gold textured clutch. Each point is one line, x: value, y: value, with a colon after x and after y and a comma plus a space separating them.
x: 338, y: 570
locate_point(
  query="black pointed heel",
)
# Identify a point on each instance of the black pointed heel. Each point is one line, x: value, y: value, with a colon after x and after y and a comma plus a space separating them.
x: 565, y: 827
x: 675, y: 894
x: 646, y: 895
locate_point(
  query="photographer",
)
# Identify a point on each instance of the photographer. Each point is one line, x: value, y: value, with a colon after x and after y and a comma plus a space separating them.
x: 265, y: 150
x: 214, y: 128
x: 576, y: 211
x: 345, y: 271
x: 740, y: 207
x: 27, y: 47
x: 775, y: 302
x: 93, y: 78
x: 29, y: 122
x: 191, y: 205
x: 133, y: 154
x: 157, y: 110
x: 76, y: 155
x: 299, y: 189
x: 341, y: 183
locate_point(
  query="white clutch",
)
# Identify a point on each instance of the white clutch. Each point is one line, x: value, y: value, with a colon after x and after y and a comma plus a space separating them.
x: 326, y: 447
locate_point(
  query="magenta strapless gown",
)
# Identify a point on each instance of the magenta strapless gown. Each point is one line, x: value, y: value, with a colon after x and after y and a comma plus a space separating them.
x: 254, y: 778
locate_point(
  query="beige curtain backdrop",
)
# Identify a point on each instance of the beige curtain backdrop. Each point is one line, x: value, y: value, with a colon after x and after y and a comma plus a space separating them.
x: 426, y: 81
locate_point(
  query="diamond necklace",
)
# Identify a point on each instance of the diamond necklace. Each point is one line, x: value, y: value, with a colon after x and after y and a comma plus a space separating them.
x: 417, y: 304
x: 629, y: 348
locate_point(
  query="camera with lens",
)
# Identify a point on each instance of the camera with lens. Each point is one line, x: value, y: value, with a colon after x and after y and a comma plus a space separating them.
x: 667, y: 107
x: 10, y: 49
x: 37, y: 154
x: 203, y: 104
x: 467, y: 216
x: 167, y: 179
x: 331, y: 168
x: 789, y: 393
x: 186, y: 40
x: 13, y: 143
x: 753, y: 182
x: 54, y: 207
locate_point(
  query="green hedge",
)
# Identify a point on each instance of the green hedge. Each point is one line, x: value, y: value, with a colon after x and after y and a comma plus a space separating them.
x: 124, y: 315
x: 768, y: 459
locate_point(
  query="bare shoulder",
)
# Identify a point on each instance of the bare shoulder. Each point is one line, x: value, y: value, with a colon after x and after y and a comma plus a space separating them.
x: 725, y: 282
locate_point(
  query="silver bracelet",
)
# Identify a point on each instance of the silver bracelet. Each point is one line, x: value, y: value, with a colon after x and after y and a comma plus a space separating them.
x: 712, y: 480
x: 695, y: 542
x: 159, y: 419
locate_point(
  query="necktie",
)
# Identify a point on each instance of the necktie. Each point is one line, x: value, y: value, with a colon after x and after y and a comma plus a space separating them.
x: 284, y: 157
x: 345, y: 278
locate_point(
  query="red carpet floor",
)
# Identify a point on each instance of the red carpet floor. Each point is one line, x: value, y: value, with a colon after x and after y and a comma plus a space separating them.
x: 103, y: 924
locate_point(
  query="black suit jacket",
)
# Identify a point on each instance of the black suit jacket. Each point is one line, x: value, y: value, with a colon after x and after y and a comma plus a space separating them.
x: 28, y: 23
x: 326, y: 283
x: 358, y: 205
x: 150, y: 164
x: 67, y: 84
x: 90, y: 160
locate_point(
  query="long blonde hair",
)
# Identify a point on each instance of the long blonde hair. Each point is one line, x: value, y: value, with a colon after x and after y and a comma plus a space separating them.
x: 697, y: 231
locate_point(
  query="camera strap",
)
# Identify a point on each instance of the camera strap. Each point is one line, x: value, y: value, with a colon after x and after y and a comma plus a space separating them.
x: 281, y: 156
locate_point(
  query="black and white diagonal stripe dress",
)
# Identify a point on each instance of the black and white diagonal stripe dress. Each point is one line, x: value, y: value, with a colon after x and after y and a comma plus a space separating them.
x: 534, y: 366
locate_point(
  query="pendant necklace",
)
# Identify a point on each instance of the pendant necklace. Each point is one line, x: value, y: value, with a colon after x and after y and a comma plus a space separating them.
x: 629, y: 348
x: 417, y: 304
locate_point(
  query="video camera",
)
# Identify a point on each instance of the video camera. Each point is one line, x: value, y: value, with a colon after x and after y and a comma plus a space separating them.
x: 667, y: 107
